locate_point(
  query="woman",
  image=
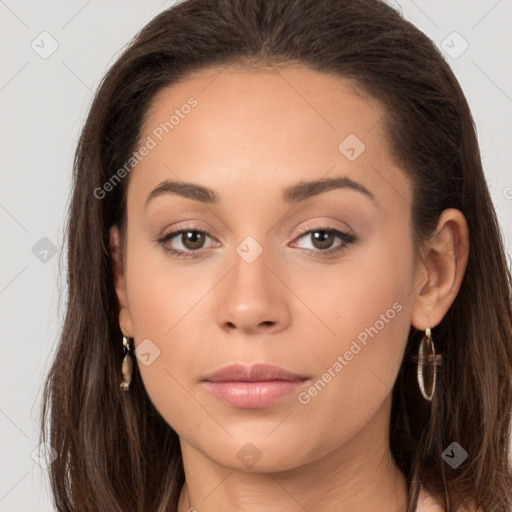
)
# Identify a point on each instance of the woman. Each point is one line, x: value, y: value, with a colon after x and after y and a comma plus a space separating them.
x: 287, y: 284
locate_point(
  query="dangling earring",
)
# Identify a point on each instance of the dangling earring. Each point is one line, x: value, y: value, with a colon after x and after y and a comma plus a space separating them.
x: 127, y: 367
x: 427, y: 360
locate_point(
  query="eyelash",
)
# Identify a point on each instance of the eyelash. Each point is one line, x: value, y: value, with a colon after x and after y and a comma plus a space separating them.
x: 345, y: 237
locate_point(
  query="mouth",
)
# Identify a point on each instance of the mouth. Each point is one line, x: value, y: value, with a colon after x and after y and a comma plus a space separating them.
x: 252, y: 387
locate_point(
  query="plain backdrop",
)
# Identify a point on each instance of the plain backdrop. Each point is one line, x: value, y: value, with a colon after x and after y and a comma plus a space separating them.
x: 53, y: 55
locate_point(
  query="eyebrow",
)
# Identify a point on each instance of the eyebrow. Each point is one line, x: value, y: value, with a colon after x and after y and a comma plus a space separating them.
x: 305, y: 190
x: 292, y: 194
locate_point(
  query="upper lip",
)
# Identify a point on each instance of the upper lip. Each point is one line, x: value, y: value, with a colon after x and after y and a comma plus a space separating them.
x: 252, y: 373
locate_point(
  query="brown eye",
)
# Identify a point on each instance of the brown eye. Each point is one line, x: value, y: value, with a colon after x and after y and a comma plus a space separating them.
x: 192, y: 239
x: 322, y: 239
x: 185, y: 243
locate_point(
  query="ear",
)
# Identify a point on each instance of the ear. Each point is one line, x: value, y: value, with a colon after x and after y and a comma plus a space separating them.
x: 441, y: 269
x: 125, y: 321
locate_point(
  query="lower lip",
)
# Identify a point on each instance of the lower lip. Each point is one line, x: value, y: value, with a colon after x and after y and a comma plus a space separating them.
x: 252, y: 395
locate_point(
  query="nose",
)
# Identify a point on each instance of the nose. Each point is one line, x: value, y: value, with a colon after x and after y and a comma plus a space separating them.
x: 252, y: 299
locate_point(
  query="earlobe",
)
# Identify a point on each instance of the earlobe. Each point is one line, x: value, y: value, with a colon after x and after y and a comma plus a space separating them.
x: 119, y: 282
x: 441, y: 269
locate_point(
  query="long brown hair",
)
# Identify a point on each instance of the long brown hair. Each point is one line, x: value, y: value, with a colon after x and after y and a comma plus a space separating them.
x: 115, y: 452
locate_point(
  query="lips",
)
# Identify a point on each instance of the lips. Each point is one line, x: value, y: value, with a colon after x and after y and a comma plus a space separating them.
x: 254, y: 373
x: 252, y: 387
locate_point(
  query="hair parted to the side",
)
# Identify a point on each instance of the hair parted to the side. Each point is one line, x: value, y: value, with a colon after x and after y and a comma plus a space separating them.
x: 115, y: 452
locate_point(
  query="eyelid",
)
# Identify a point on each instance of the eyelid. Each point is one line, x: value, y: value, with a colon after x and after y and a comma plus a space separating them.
x: 186, y: 226
x: 318, y: 227
x: 325, y: 223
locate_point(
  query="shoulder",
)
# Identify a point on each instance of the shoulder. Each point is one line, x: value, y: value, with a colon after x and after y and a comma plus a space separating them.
x: 428, y: 503
x: 472, y: 508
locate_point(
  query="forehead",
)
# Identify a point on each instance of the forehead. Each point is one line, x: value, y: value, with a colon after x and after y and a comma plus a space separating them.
x: 270, y: 97
x: 279, y: 124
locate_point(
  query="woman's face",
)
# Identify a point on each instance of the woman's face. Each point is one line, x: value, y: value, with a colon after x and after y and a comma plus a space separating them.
x: 291, y: 159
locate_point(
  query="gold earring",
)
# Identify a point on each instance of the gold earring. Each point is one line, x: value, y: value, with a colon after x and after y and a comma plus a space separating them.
x: 127, y: 366
x: 427, y: 360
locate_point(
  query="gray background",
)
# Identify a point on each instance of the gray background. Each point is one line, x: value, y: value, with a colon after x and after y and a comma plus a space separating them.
x: 43, y: 105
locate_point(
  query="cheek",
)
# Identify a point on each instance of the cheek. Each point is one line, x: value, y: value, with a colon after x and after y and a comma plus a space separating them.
x: 370, y: 280
x: 166, y: 301
x: 365, y: 310
x: 160, y: 292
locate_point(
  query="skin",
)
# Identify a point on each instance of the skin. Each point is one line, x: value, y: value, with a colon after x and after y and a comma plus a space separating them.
x: 252, y: 134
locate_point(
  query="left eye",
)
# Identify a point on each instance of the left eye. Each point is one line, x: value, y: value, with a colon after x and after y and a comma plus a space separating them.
x: 323, y: 238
